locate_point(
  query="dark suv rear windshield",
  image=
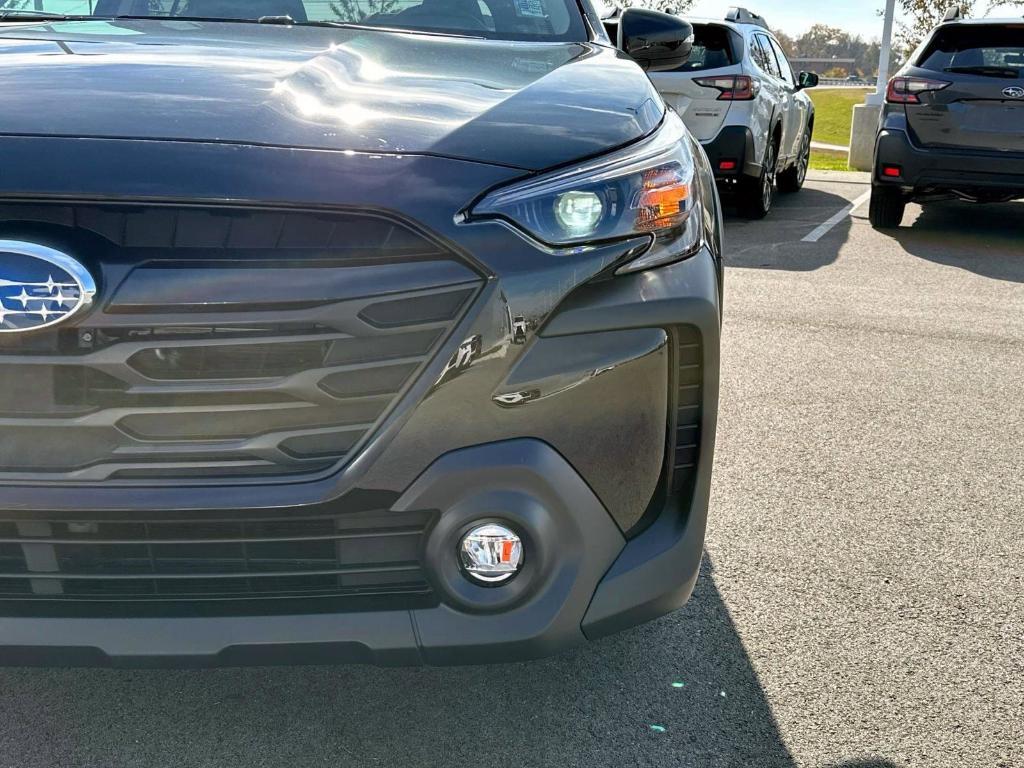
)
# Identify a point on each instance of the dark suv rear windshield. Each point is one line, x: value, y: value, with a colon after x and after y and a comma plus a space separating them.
x: 539, y: 20
x: 712, y: 48
x: 994, y: 50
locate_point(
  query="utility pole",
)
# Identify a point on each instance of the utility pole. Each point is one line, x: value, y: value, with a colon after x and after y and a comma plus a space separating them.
x: 866, y: 115
x: 883, y: 55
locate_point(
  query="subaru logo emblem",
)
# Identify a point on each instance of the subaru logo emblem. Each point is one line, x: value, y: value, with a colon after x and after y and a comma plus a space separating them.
x: 40, y: 286
x: 1013, y: 92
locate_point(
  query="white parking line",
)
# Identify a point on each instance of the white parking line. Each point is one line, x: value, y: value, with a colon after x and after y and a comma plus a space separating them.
x: 822, y: 229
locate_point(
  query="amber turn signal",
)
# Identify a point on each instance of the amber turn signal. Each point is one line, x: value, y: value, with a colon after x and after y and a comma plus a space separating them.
x: 662, y: 201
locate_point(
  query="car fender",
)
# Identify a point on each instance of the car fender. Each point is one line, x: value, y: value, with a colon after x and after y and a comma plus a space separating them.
x: 764, y: 114
x: 774, y: 122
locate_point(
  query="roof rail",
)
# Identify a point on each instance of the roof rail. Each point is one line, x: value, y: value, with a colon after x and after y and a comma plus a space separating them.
x: 953, y: 13
x: 743, y: 16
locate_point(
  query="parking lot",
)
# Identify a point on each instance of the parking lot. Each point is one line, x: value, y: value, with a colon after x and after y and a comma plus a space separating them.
x: 861, y: 599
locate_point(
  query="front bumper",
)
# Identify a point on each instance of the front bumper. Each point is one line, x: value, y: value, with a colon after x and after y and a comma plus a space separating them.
x: 549, y: 404
x: 584, y: 578
x: 943, y: 169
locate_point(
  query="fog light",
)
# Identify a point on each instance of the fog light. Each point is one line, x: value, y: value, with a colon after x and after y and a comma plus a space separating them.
x: 893, y: 171
x: 491, y: 553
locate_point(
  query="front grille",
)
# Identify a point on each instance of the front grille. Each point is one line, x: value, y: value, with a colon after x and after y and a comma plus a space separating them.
x: 221, y: 561
x: 687, y: 417
x: 226, y: 343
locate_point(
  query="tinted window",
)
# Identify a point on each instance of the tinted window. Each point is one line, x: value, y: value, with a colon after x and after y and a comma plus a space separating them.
x: 761, y: 50
x: 501, y: 19
x: 974, y: 47
x: 780, y: 57
x: 712, y: 48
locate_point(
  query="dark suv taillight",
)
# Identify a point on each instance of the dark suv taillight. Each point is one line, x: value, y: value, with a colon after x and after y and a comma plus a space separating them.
x: 906, y: 90
x: 731, y: 87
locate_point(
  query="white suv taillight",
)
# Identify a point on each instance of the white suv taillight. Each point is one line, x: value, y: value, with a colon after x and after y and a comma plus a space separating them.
x: 731, y: 87
x: 906, y: 90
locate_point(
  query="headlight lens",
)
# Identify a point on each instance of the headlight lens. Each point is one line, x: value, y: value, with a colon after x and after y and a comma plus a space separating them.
x: 578, y: 213
x: 645, y: 189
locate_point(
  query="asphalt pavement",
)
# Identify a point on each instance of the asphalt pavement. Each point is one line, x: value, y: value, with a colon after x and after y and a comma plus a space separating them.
x: 860, y: 604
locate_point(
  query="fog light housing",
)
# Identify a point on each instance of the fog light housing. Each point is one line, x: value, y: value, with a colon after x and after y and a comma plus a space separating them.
x: 490, y: 554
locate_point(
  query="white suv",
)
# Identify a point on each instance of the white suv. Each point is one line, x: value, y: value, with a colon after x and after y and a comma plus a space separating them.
x: 738, y: 95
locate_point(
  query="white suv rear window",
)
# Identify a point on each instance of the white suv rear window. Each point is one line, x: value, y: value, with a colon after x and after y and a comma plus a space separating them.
x: 712, y: 49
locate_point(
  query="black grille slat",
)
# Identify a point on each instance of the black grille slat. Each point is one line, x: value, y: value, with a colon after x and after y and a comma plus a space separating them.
x: 225, y: 425
x: 220, y: 560
x: 164, y: 226
x: 389, y: 347
x: 415, y: 311
x: 225, y: 342
x: 243, y: 361
x: 368, y: 382
x: 198, y: 574
x: 319, y: 445
x: 12, y: 555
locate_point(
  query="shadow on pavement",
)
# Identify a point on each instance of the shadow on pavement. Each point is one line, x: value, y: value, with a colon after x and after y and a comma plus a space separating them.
x: 612, y: 703
x: 775, y: 241
x: 594, y: 707
x: 985, y: 239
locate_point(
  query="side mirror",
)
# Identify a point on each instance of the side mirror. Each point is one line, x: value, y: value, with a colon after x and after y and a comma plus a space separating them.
x: 806, y: 80
x: 656, y: 41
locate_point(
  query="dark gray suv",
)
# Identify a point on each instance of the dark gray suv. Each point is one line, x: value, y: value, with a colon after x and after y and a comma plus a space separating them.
x: 952, y: 121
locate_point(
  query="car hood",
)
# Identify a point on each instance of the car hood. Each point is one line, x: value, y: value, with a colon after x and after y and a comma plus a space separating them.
x: 526, y: 105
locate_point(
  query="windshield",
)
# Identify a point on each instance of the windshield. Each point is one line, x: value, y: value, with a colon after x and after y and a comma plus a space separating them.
x: 536, y: 20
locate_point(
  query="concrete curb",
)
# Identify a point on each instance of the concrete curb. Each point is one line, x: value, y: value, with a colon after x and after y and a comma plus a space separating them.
x: 850, y: 177
x: 829, y: 147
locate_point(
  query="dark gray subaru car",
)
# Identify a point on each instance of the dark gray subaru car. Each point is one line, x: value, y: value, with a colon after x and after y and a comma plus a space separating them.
x: 953, y: 121
x: 328, y: 336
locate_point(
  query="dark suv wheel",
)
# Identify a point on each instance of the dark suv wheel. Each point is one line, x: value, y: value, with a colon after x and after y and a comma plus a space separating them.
x: 887, y: 207
x: 756, y: 195
x: 792, y: 179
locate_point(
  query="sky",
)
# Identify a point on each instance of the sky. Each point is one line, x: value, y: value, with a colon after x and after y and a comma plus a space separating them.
x: 859, y: 17
x: 796, y: 16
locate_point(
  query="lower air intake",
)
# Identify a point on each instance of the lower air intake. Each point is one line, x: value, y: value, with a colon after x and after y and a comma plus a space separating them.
x: 213, y: 563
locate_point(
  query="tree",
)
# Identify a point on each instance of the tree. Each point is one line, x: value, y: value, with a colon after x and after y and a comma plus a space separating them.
x: 823, y: 42
x: 359, y: 10
x: 668, y: 6
x: 922, y: 16
x: 788, y: 43
x: 867, y: 63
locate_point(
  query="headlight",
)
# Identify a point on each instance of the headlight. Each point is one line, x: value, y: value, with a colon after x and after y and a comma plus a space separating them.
x: 646, y: 189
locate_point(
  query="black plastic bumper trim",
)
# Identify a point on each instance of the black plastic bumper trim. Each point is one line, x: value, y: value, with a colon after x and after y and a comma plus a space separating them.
x: 733, y: 142
x: 944, y: 168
